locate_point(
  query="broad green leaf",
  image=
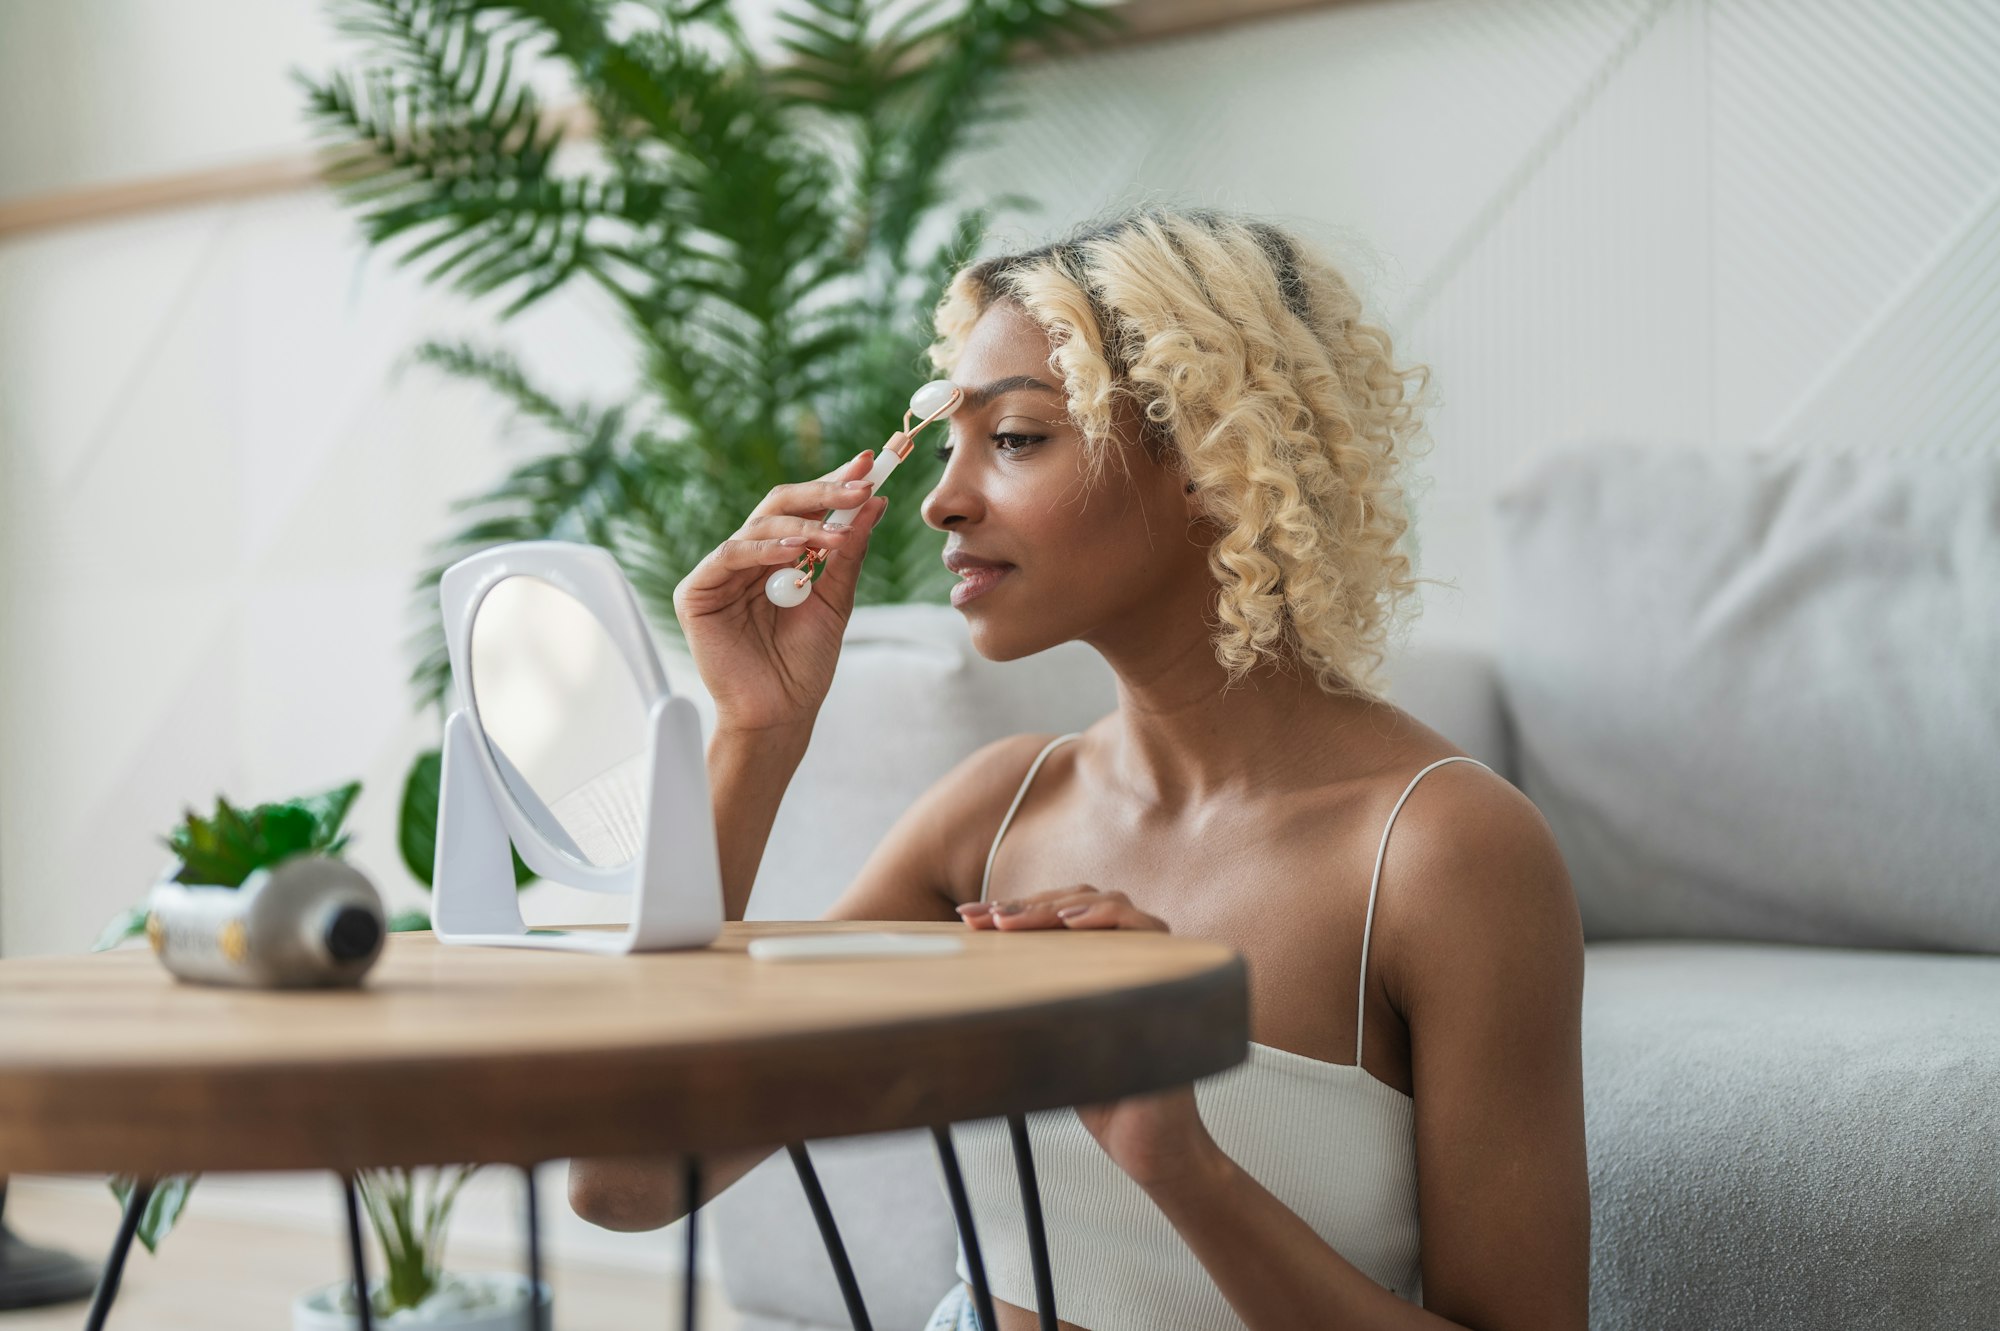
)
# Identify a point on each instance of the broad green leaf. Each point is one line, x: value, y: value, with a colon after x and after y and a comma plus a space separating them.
x: 163, y: 1208
x: 416, y: 825
x: 409, y: 921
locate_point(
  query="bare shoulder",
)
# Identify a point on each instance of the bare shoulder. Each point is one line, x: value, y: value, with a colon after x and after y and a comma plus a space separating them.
x: 921, y: 868
x: 971, y: 799
x: 1471, y: 869
x: 1484, y: 946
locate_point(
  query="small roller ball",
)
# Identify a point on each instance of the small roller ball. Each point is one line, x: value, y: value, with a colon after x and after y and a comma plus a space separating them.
x: 932, y: 398
x: 784, y: 590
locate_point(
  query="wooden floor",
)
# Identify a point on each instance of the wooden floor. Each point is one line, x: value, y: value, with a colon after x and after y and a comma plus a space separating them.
x: 235, y: 1275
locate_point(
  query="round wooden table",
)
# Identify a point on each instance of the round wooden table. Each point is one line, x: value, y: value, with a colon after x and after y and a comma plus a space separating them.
x: 494, y: 1055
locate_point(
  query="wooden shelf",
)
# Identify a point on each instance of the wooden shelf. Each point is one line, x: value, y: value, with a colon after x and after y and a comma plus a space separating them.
x: 1146, y: 20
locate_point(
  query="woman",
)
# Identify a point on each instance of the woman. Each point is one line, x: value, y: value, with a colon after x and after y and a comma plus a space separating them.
x: 1181, y: 444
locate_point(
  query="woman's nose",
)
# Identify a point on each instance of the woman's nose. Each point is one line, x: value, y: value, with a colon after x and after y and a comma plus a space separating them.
x: 954, y: 498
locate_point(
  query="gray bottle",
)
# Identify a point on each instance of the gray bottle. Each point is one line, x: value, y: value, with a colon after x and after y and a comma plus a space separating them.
x: 307, y: 922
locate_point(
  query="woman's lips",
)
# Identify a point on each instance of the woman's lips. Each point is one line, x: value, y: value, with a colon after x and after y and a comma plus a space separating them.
x: 977, y: 582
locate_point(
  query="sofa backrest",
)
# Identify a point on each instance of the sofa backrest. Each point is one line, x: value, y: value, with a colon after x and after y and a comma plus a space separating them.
x: 912, y: 696
x: 1759, y: 698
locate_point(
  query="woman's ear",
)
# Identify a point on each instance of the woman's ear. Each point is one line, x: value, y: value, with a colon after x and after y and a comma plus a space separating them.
x: 1197, y: 512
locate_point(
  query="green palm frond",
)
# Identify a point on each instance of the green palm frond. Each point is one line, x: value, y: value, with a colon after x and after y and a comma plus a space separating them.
x: 768, y: 232
x: 577, y: 493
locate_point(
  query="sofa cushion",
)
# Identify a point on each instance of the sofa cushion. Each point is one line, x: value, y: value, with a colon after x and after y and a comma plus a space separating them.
x: 1454, y: 688
x: 910, y: 699
x: 1760, y: 699
x: 1785, y: 1136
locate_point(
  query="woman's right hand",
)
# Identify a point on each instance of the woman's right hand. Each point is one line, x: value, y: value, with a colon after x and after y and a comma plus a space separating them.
x: 768, y: 667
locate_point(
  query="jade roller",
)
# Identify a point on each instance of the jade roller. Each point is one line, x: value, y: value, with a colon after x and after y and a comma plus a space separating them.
x: 934, y: 401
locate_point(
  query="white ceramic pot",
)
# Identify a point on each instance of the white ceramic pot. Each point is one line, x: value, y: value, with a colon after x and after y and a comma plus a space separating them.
x: 481, y: 1301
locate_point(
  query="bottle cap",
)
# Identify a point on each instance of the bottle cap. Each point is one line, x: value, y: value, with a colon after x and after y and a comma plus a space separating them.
x: 353, y: 933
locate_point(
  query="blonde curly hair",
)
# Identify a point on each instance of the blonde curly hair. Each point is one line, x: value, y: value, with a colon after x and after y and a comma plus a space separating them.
x: 1255, y: 378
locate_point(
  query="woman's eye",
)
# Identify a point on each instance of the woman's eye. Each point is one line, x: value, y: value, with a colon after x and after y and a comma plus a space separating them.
x: 1009, y: 441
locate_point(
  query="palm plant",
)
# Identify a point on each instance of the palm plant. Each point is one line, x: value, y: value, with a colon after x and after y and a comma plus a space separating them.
x: 773, y: 230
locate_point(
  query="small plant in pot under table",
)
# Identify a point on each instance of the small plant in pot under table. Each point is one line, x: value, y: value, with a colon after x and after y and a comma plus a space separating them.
x: 409, y: 1211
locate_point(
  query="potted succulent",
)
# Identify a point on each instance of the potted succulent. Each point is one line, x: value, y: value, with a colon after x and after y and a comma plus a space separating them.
x: 408, y: 1210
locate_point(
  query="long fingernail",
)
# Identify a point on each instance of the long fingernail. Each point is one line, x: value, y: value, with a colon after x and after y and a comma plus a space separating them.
x: 793, y: 540
x: 974, y: 908
x: 1071, y: 912
x: 854, y: 485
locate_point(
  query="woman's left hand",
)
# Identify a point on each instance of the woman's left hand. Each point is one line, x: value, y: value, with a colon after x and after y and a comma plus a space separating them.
x: 1157, y: 1138
x: 1079, y: 907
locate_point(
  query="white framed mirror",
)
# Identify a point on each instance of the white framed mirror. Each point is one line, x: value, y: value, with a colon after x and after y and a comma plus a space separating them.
x: 566, y: 742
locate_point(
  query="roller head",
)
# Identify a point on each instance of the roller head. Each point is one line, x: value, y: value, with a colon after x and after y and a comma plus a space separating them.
x: 783, y: 588
x: 932, y: 398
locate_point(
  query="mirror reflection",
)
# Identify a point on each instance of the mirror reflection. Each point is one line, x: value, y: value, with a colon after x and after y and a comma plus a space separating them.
x: 564, y: 718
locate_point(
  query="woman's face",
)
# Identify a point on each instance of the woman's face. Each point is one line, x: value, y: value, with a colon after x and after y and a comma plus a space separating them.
x: 1108, y: 564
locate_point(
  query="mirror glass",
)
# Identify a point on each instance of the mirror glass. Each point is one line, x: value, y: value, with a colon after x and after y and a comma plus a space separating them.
x: 565, y: 719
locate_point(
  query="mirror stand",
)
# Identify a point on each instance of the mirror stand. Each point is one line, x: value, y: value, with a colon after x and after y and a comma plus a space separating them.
x: 488, y: 808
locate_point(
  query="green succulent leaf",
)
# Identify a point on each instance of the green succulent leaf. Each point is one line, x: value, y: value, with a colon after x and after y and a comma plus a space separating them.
x: 329, y: 810
x: 229, y: 845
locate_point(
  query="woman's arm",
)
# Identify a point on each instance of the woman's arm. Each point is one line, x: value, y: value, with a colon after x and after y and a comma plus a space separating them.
x: 748, y: 773
x: 908, y: 876
x: 1274, y: 1270
x: 1486, y: 963
x: 1483, y: 954
x: 1481, y: 946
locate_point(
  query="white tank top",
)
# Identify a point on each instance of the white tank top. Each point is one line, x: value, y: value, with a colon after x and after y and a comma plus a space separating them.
x: 1331, y: 1142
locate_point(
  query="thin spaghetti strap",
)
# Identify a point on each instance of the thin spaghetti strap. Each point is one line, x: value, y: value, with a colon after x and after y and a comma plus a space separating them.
x: 1368, y: 925
x: 986, y: 879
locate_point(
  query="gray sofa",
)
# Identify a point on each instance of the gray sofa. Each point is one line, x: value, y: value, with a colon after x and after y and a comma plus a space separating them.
x: 1759, y: 703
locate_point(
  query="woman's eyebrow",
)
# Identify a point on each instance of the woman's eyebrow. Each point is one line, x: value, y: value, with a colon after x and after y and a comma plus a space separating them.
x: 979, y: 397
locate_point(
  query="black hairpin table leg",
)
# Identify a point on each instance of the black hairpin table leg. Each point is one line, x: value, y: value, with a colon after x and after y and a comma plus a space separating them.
x: 114, y: 1266
x: 829, y: 1233
x: 538, y: 1314
x: 961, y: 1211
x: 691, y: 1189
x: 357, y: 1255
x: 1038, y: 1239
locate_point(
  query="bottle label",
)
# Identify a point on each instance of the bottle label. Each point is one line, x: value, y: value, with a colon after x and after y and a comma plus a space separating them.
x: 200, y: 932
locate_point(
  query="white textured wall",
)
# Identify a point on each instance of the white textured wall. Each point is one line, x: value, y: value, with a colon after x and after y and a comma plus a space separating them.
x: 1719, y: 223
x: 1723, y: 223
x: 215, y: 490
